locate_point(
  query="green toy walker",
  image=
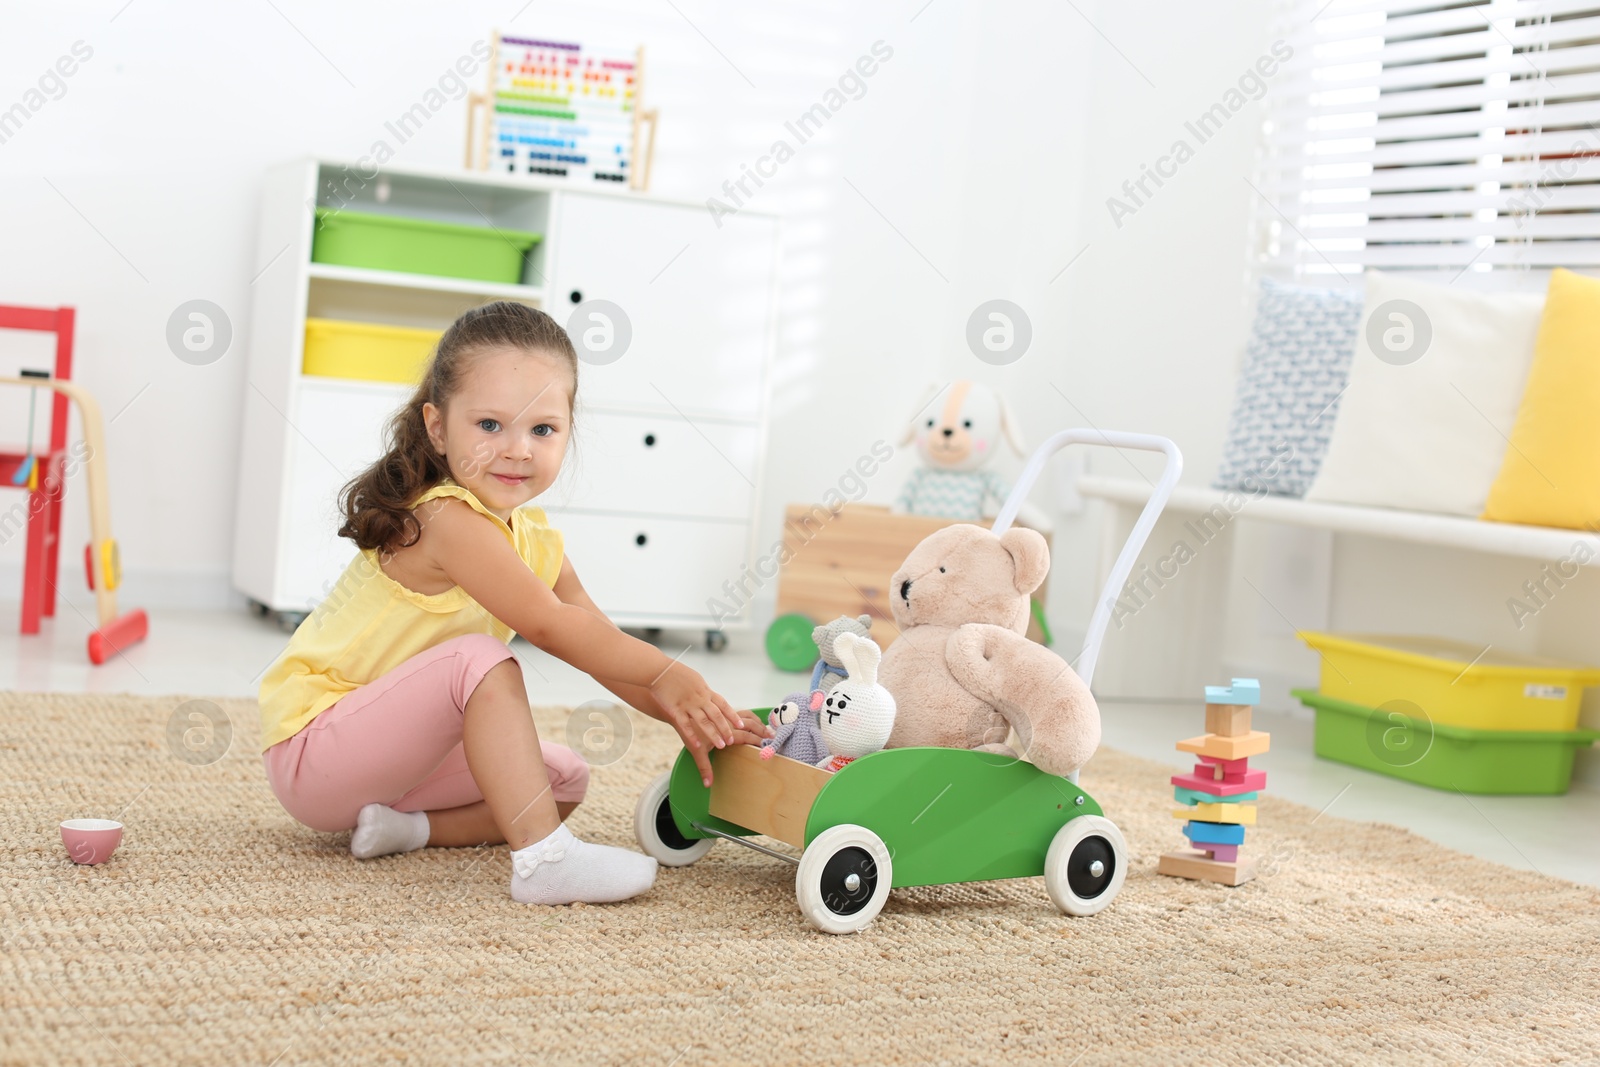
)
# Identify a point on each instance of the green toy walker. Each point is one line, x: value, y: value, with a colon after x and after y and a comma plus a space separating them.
x: 914, y: 816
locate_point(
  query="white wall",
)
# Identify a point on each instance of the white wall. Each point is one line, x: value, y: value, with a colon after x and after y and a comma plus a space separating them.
x: 1143, y: 330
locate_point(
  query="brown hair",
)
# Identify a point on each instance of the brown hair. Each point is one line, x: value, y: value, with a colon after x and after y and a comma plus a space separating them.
x: 377, y: 502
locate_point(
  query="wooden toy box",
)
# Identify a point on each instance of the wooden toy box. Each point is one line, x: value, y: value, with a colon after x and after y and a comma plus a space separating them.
x: 840, y: 563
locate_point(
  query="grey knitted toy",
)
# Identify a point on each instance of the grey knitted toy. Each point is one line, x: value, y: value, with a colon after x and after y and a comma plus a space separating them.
x: 830, y: 670
x: 795, y: 730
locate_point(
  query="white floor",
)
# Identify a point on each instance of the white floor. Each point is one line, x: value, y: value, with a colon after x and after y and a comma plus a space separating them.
x: 212, y: 653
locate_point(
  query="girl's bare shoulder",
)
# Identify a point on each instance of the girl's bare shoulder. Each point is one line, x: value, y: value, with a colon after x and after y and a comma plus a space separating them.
x: 414, y: 566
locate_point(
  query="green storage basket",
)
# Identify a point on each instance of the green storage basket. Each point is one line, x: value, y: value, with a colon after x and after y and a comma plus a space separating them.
x: 1398, y: 740
x: 420, y: 246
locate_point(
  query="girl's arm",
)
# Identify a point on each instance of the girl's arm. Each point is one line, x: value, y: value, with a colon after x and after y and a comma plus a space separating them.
x: 571, y: 591
x: 477, y: 557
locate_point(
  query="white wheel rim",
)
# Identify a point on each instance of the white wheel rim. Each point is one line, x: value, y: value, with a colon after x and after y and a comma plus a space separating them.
x: 1065, y: 864
x: 843, y: 879
x: 646, y: 827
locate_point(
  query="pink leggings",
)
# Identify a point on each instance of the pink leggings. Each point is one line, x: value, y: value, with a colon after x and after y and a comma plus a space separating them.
x: 397, y: 741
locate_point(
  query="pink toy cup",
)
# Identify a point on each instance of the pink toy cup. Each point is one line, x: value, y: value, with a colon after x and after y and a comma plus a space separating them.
x: 91, y: 840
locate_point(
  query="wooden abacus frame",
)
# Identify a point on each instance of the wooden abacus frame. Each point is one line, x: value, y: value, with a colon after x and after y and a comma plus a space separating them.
x: 480, y: 122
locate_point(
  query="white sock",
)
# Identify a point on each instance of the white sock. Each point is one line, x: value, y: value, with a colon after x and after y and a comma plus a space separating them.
x: 563, y: 869
x: 381, y: 830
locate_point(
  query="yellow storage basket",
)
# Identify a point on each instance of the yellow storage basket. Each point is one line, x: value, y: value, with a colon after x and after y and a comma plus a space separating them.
x: 1452, y: 682
x: 367, y: 350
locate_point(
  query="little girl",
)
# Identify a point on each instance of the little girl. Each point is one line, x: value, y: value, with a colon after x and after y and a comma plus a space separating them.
x: 397, y: 709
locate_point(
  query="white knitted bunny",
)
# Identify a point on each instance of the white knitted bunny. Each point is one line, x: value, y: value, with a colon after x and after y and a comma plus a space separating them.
x: 858, y: 713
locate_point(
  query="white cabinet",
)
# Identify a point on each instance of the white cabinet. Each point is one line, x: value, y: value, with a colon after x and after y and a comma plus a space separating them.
x: 339, y: 422
x: 658, y: 505
x: 658, y: 502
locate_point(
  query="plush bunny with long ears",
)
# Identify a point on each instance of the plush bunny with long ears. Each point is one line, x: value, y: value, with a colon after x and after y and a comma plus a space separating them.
x: 858, y: 713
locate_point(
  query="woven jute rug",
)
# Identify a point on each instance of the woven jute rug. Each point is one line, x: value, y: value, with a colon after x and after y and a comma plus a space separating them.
x: 224, y: 932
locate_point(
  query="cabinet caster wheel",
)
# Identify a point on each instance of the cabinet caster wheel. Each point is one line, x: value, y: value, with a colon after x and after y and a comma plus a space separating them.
x: 289, y: 621
x: 716, y: 640
x: 259, y: 610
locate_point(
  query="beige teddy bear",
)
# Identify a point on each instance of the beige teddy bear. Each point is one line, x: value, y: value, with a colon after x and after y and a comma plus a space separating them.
x: 961, y: 672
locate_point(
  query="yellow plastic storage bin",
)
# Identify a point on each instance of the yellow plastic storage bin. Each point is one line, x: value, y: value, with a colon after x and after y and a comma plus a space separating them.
x: 367, y: 350
x: 1452, y: 682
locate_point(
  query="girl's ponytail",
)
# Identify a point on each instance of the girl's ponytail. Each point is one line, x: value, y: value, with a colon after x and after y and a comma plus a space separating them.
x: 377, y: 502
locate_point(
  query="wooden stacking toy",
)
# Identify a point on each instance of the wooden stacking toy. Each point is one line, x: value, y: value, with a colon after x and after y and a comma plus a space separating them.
x: 1216, y: 795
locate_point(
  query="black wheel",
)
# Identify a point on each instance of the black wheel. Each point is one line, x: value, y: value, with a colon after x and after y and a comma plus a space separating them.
x: 848, y: 881
x: 259, y: 610
x: 843, y: 879
x: 1086, y: 865
x: 659, y: 836
x: 716, y: 640
x: 1092, y: 866
x: 667, y: 829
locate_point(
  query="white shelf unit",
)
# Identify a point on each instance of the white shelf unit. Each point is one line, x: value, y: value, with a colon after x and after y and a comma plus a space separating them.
x: 658, y: 502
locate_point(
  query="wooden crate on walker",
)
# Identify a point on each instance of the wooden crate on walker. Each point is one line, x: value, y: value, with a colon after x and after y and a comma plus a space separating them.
x: 840, y: 562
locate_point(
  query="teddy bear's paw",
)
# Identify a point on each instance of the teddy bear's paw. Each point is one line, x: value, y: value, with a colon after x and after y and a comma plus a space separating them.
x: 971, y: 654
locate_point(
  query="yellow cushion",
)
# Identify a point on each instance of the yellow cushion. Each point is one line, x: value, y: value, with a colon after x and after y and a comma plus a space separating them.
x: 1551, y: 472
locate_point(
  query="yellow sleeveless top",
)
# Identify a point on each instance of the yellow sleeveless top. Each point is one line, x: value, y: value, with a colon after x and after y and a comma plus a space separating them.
x: 370, y: 624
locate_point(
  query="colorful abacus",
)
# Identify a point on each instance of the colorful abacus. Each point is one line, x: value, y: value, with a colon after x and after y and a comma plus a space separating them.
x: 1215, y: 797
x: 563, y: 110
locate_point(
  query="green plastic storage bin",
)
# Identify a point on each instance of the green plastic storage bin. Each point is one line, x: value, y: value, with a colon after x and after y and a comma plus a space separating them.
x: 420, y: 246
x: 1399, y: 740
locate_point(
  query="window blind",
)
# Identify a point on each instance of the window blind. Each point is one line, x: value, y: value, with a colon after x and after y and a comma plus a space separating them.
x: 1434, y: 138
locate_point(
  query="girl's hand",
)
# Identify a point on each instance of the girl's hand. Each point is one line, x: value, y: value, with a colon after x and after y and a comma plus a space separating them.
x: 750, y: 732
x: 702, y: 717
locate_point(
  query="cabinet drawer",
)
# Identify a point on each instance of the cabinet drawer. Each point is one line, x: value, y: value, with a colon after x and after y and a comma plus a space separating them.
x: 659, y: 465
x: 651, y: 569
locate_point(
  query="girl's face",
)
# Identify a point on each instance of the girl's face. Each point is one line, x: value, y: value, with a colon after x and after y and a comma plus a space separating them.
x: 505, y: 430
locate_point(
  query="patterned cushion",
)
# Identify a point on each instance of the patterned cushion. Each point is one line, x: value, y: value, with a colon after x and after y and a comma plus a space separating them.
x: 1295, y: 367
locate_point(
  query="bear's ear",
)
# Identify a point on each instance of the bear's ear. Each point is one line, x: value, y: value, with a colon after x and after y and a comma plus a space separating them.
x: 1030, y: 557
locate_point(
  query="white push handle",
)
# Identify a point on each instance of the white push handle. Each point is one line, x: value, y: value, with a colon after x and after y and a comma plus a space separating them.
x: 1144, y: 442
